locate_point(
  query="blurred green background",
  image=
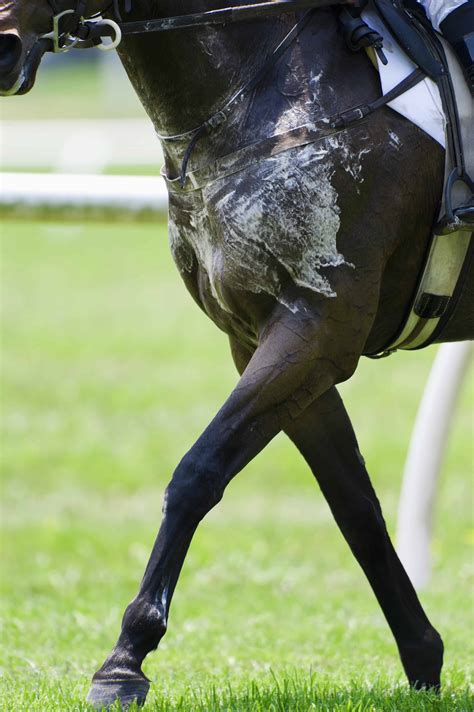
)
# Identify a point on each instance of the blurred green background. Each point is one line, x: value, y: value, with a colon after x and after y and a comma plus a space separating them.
x: 69, y: 121
x: 76, y: 84
x: 109, y: 373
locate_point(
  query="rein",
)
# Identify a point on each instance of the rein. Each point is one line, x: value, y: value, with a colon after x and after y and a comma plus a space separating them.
x: 223, y: 16
x: 72, y: 30
x: 214, y: 121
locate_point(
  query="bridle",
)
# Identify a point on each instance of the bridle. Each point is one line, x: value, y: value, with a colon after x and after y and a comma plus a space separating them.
x: 71, y: 30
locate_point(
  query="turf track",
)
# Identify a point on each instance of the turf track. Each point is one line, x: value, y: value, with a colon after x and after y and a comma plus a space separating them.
x: 109, y: 373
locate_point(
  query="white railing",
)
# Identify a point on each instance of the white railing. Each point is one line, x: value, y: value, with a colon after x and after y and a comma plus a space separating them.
x: 78, y: 146
x: 50, y: 191
x: 425, y: 458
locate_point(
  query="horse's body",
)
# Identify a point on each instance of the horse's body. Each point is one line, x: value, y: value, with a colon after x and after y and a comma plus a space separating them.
x: 307, y: 259
x: 261, y: 230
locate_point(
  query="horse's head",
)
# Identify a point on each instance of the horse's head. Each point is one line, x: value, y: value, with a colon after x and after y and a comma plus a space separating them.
x: 28, y: 29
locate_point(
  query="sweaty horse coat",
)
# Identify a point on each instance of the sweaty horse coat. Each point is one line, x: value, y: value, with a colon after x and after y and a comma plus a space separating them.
x: 306, y: 257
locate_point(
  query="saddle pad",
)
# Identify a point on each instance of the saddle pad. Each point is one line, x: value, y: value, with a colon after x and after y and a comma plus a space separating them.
x: 422, y: 104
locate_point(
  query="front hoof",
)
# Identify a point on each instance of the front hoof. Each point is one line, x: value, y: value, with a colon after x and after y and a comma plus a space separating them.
x: 423, y: 662
x: 104, y: 693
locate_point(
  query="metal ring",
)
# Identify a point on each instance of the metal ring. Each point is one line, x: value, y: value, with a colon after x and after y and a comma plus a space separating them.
x: 117, y: 39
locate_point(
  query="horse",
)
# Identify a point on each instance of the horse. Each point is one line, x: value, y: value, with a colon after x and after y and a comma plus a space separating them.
x: 301, y: 241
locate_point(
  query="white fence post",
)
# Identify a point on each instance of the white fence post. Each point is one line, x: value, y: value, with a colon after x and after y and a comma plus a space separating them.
x: 425, y: 457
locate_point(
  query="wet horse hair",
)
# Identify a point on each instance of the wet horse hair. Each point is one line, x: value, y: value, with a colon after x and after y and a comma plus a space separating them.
x: 305, y: 250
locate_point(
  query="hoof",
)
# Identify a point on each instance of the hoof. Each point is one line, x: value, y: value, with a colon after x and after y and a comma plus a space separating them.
x: 434, y: 687
x: 104, y: 693
x: 423, y: 662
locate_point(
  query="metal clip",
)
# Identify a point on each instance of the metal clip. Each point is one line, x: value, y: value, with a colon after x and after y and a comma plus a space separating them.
x: 63, y: 42
x: 57, y: 38
x: 115, y: 41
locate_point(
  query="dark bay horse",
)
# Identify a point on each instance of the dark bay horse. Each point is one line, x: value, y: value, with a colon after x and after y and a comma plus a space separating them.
x: 306, y: 254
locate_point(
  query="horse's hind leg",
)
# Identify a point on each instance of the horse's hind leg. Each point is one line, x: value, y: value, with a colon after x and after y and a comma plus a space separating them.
x: 298, y: 358
x: 325, y: 437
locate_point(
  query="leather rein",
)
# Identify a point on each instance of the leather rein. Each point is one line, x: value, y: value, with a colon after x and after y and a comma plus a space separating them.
x: 71, y: 30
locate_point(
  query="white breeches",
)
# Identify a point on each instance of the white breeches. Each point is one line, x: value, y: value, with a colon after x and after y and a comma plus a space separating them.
x: 437, y: 10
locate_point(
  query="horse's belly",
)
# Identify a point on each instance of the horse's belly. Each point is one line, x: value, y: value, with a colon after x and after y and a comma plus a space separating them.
x: 254, y: 231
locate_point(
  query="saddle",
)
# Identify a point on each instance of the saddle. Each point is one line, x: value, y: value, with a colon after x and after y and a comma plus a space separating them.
x: 388, y: 22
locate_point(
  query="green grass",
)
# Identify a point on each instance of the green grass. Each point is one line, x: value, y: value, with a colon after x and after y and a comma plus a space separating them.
x: 110, y: 372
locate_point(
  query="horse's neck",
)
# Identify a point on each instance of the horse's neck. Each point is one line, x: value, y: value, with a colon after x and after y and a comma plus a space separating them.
x: 183, y: 76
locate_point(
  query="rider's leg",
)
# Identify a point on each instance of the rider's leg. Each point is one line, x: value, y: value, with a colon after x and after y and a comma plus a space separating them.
x: 458, y: 28
x: 438, y: 10
x: 455, y: 19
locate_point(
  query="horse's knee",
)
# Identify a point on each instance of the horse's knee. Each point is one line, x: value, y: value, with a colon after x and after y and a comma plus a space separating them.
x: 196, y: 487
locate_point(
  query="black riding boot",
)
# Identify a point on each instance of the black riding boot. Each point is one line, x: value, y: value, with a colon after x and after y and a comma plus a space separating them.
x: 458, y: 28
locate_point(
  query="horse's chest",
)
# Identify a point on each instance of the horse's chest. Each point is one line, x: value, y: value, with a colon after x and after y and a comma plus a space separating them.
x: 254, y: 231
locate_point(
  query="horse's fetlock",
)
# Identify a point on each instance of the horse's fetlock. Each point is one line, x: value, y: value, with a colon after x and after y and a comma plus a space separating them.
x: 434, y: 643
x: 422, y: 659
x: 144, y: 623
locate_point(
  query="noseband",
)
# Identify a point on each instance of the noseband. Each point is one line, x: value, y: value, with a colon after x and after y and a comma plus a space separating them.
x: 71, y: 30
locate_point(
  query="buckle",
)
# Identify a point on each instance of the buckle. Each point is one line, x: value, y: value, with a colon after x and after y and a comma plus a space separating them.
x: 346, y: 118
x: 462, y: 220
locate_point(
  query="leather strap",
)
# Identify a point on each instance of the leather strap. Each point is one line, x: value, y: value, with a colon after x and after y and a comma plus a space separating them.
x: 222, y: 16
x: 278, y: 143
x: 223, y: 114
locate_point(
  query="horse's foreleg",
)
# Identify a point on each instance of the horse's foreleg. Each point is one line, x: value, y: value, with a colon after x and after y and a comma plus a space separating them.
x: 294, y: 363
x: 325, y: 437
